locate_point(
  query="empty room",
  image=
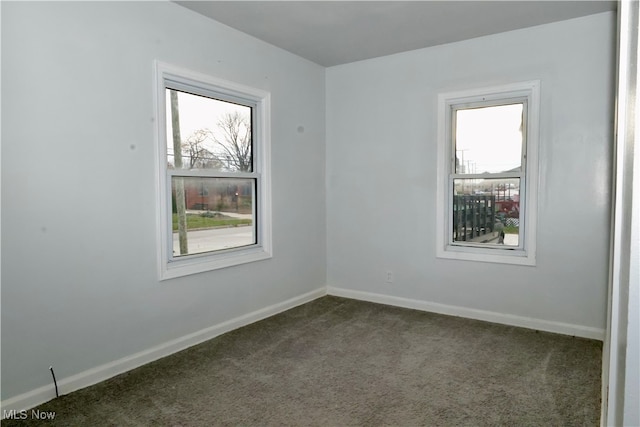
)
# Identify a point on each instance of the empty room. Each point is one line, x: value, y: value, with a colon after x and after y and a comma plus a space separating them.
x: 319, y: 213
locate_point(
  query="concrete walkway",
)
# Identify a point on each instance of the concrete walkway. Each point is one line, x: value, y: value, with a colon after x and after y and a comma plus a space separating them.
x: 229, y: 214
x: 511, y: 239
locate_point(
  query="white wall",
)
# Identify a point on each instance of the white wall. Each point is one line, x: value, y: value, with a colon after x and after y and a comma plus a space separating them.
x: 78, y: 245
x: 621, y: 367
x: 632, y: 357
x: 381, y: 173
x: 632, y: 373
x: 79, y: 286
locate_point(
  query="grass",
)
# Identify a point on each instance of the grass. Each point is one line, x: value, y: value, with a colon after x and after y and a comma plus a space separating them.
x: 196, y: 221
x: 511, y: 229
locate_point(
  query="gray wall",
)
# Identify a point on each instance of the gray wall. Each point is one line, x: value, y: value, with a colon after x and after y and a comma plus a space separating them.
x: 79, y: 286
x: 381, y: 172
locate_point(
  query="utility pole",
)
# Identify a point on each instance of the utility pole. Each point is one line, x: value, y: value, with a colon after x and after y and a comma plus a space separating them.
x: 177, y: 153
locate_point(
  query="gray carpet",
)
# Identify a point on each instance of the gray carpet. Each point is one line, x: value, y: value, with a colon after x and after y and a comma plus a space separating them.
x: 341, y: 362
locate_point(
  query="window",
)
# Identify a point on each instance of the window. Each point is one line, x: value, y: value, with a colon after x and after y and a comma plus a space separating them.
x: 487, y: 174
x: 213, y: 163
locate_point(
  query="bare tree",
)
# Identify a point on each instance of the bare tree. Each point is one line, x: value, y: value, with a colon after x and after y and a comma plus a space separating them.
x: 235, y: 141
x: 199, y: 156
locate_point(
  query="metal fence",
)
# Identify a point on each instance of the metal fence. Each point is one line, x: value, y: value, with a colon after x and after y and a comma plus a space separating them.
x: 473, y: 217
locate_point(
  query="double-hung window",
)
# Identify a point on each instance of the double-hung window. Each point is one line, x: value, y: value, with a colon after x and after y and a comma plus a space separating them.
x: 213, y: 163
x: 487, y: 174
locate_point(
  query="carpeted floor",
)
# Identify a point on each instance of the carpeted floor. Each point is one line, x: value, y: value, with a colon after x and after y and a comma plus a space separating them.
x: 341, y: 362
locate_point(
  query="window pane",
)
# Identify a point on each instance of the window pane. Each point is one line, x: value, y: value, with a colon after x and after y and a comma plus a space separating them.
x: 486, y: 211
x: 207, y: 133
x: 211, y: 214
x: 489, y: 139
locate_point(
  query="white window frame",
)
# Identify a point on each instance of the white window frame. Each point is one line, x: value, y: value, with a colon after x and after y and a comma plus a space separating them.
x: 524, y: 92
x: 169, y: 267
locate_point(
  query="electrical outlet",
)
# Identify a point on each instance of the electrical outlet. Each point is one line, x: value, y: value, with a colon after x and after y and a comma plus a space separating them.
x: 389, y: 276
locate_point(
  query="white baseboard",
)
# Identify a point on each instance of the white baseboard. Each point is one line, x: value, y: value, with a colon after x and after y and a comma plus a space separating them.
x: 487, y: 316
x: 95, y: 375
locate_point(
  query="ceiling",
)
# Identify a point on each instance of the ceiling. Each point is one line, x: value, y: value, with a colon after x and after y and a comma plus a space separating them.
x: 337, y: 32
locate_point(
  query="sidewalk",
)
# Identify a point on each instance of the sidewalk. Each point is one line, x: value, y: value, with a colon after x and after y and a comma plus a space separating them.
x: 229, y: 214
x: 511, y: 239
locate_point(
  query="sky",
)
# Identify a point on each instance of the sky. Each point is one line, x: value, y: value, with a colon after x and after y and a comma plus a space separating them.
x: 489, y: 139
x: 198, y: 112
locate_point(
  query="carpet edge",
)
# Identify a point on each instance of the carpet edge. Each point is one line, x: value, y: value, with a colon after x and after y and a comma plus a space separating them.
x: 471, y: 313
x: 40, y: 395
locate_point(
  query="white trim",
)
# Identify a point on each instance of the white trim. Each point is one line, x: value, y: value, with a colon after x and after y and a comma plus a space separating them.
x: 507, y: 175
x: 101, y: 373
x: 527, y: 254
x: 471, y: 313
x: 169, y: 267
x: 615, y: 401
x: 204, y: 173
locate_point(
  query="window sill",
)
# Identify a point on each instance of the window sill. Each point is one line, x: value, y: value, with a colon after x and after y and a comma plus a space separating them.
x: 208, y: 262
x: 505, y: 256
